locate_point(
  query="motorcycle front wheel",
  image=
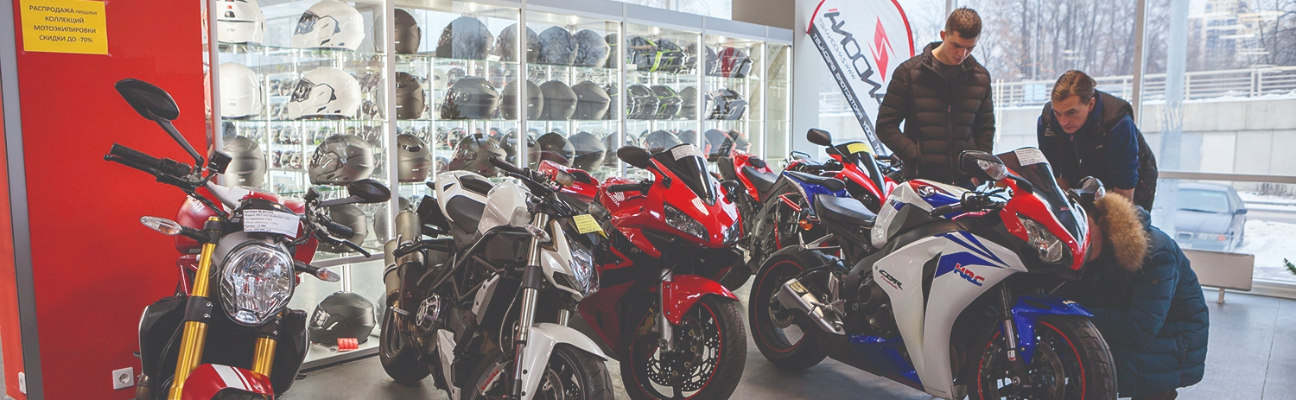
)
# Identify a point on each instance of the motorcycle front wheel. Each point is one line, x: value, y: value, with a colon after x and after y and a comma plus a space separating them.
x: 1071, y: 361
x: 570, y: 375
x: 710, y: 353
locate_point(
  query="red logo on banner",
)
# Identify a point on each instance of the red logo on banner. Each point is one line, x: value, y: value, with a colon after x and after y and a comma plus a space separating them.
x: 881, y: 48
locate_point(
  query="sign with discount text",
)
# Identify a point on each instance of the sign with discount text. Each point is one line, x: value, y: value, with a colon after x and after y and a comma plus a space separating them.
x: 64, y: 26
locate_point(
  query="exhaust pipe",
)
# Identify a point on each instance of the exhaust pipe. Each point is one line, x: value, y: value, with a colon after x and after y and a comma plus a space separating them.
x: 794, y: 295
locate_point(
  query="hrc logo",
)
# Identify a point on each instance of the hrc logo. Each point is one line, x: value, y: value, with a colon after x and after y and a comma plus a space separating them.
x: 968, y: 274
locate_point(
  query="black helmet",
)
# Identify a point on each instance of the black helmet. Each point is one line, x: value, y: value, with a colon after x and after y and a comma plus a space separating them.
x: 690, y: 137
x: 409, y: 97
x: 413, y: 160
x: 470, y: 98
x: 408, y: 33
x: 504, y: 46
x: 554, y: 147
x: 342, y: 315
x: 559, y: 101
x: 715, y: 142
x: 350, y: 216
x: 668, y: 102
x: 509, y: 143
x: 611, y: 162
x: 473, y: 154
x: 727, y: 104
x: 465, y: 38
x: 591, y: 49
x: 688, y: 103
x: 591, y: 101
x: 248, y: 167
x: 611, y: 91
x: 590, y: 150
x: 534, y: 103
x: 660, y: 55
x: 341, y: 159
x: 658, y: 141
x: 739, y: 140
x: 611, y: 40
x: 557, y: 46
x: 708, y: 55
x: 381, y: 220
x: 734, y: 63
x: 641, y: 102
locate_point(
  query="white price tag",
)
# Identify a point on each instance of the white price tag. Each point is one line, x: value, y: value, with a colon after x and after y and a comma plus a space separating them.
x: 268, y: 221
x: 684, y: 151
x: 1029, y: 156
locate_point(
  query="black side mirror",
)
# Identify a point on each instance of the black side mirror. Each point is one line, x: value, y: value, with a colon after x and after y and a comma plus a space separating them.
x: 149, y: 101
x: 369, y: 191
x: 798, y: 155
x: 635, y: 156
x: 982, y: 165
x: 819, y: 137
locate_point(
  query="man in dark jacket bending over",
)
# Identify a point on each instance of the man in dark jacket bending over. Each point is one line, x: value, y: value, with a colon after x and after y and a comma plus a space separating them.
x: 943, y: 98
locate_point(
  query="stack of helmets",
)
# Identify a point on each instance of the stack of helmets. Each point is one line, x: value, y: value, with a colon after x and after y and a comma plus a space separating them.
x: 504, y: 47
x: 240, y: 22
x: 329, y: 24
x: 554, y: 147
x: 342, y: 315
x: 590, y: 151
x: 591, y: 101
x: 641, y: 102
x: 610, y: 160
x: 410, y: 102
x: 381, y: 218
x: 668, y: 102
x: 413, y: 158
x: 408, y: 33
x: 559, y: 101
x: 350, y: 216
x: 591, y: 49
x: 727, y: 104
x: 248, y: 164
x: 557, y: 46
x: 240, y: 90
x: 465, y: 38
x: 340, y: 160
x: 534, y: 101
x: 325, y: 92
x: 734, y: 63
x: 470, y: 97
x: 473, y: 154
x: 659, y: 141
x: 688, y: 103
x: 509, y: 143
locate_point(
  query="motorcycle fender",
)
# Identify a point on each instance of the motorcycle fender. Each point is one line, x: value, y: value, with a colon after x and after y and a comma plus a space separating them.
x: 683, y: 291
x: 544, y: 337
x: 1027, y: 312
x: 208, y: 380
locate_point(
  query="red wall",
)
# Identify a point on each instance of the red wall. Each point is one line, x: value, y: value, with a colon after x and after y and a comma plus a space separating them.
x: 10, y: 332
x: 95, y: 267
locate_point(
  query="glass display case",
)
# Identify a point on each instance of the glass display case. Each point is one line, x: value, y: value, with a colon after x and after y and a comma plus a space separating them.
x: 733, y: 111
x: 778, y: 108
x: 664, y: 93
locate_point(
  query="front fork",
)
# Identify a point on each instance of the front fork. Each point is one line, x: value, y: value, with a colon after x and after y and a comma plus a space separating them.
x: 198, y: 309
x: 1015, y: 362
x: 667, y: 339
x: 532, y: 277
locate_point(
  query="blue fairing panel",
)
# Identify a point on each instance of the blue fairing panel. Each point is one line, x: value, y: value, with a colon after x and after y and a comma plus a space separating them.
x: 810, y: 190
x: 1027, y: 312
x: 886, y: 354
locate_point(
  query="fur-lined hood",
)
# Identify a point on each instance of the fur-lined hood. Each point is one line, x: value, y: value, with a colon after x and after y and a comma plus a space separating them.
x: 1126, y: 230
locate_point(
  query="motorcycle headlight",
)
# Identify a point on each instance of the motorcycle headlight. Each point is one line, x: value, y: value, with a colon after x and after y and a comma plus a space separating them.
x: 683, y: 222
x: 1050, y: 247
x: 256, y: 282
x: 731, y: 234
x: 583, y: 271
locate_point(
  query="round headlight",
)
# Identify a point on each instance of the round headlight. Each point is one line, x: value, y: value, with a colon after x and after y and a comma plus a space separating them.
x: 256, y: 282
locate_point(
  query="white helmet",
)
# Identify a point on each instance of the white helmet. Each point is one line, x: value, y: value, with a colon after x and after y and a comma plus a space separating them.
x: 240, y: 91
x: 325, y: 92
x: 240, y: 22
x: 329, y: 24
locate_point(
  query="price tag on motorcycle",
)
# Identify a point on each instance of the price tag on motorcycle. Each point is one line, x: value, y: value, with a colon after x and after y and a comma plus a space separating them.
x: 857, y: 147
x: 1029, y: 156
x: 269, y: 221
x: 586, y: 224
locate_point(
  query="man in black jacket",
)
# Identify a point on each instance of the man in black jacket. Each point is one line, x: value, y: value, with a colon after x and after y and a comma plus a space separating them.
x: 943, y: 97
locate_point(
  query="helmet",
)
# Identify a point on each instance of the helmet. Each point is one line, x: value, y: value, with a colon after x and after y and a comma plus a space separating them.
x: 611, y: 162
x: 370, y: 110
x: 240, y: 22
x: 662, y: 55
x: 240, y: 90
x: 559, y: 101
x: 739, y: 140
x: 342, y: 315
x: 658, y: 141
x: 471, y: 97
x: 688, y: 103
x: 534, y: 103
x: 590, y: 150
x: 381, y: 220
x: 504, y: 45
x: 691, y: 137
x: 248, y: 167
x: 341, y: 159
x: 452, y: 76
x: 329, y: 24
x: 509, y: 143
x: 413, y: 160
x: 325, y: 92
x: 557, y: 46
x: 668, y: 102
x: 554, y: 147
x: 409, y: 97
x: 734, y: 63
x: 350, y: 216
x: 591, y: 49
x: 473, y: 154
x: 408, y: 33
x: 611, y: 40
x: 715, y: 140
x: 708, y: 55
x: 641, y: 102
x: 728, y: 104
x: 611, y: 91
x: 464, y: 38
x: 591, y: 101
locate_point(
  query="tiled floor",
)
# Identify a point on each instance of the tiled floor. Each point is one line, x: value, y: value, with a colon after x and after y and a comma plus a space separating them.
x: 1252, y: 355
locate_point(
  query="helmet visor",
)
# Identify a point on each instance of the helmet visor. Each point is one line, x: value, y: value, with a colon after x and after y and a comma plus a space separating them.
x: 307, y: 22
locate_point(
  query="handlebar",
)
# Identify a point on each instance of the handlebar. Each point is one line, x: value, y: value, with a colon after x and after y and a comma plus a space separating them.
x: 946, y: 209
x: 338, y: 230
x: 507, y: 167
x: 138, y: 160
x: 630, y: 187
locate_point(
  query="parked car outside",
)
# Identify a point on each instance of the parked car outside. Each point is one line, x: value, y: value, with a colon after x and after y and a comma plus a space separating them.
x: 1211, y: 216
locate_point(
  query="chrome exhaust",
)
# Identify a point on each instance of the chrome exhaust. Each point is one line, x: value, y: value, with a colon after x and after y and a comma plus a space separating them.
x: 794, y: 295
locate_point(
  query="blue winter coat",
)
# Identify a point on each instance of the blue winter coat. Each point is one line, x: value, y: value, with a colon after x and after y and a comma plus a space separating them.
x: 1154, y: 318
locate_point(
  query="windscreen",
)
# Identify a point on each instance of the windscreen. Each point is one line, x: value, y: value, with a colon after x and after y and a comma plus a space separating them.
x: 688, y: 163
x: 1203, y: 201
x: 1029, y: 163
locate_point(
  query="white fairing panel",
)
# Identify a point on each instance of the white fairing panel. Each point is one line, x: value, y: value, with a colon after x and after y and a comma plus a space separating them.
x: 505, y: 205
x: 558, y: 260
x: 544, y: 337
x: 907, y: 193
x: 448, y: 187
x: 445, y: 340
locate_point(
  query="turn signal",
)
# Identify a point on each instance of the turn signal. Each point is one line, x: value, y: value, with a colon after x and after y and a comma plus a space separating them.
x: 162, y: 225
x: 805, y: 225
x: 327, y: 275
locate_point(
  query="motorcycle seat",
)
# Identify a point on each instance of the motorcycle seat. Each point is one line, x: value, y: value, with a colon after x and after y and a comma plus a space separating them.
x: 832, y: 184
x: 843, y: 209
x: 762, y: 181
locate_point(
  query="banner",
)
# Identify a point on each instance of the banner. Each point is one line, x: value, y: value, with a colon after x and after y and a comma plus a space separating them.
x: 862, y: 41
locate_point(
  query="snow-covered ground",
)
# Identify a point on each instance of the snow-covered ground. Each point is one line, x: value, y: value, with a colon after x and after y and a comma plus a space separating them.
x: 1270, y: 242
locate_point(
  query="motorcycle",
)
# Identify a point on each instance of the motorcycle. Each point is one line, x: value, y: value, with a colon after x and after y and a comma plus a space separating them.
x: 485, y: 310
x: 677, y: 332
x: 253, y: 254
x: 947, y: 290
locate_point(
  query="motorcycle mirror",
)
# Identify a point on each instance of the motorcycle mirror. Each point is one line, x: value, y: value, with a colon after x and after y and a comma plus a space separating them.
x: 982, y: 165
x: 798, y: 155
x: 162, y: 225
x: 149, y: 101
x: 819, y: 137
x: 369, y: 191
x: 1091, y: 189
x: 635, y: 156
x: 563, y: 178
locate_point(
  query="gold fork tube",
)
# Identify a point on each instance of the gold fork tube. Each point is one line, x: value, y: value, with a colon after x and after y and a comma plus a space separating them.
x: 263, y: 359
x: 195, y: 332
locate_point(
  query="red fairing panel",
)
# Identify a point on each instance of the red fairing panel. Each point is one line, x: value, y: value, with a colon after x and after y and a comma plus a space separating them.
x: 209, y: 379
x: 683, y: 291
x: 740, y: 160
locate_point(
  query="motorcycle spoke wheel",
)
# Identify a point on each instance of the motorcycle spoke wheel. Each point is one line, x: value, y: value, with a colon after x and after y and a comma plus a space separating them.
x: 777, y: 328
x: 1046, y: 377
x: 559, y: 381
x: 680, y: 374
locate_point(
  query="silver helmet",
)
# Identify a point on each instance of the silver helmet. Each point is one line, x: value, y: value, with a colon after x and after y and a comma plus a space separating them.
x: 413, y: 160
x: 248, y: 167
x: 340, y: 160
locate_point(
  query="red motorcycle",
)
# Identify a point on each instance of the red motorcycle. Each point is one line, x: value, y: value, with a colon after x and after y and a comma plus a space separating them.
x: 677, y: 332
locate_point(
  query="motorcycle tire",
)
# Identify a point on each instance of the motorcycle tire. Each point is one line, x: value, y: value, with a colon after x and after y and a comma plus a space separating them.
x: 713, y: 327
x: 571, y: 374
x: 396, y: 353
x: 1072, y: 361
x: 766, y: 316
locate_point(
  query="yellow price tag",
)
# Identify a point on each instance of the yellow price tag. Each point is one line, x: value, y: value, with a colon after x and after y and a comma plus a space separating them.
x: 857, y: 147
x: 586, y: 224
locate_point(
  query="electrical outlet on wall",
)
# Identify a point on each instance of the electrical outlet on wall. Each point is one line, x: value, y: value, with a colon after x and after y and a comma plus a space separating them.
x: 124, y: 378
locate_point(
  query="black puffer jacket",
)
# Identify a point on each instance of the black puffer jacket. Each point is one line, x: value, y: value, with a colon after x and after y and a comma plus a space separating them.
x: 941, y: 119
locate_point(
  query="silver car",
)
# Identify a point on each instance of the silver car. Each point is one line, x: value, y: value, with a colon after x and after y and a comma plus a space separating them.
x: 1211, y: 216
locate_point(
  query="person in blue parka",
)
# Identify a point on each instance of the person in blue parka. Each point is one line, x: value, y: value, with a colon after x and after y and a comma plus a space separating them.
x: 1146, y: 302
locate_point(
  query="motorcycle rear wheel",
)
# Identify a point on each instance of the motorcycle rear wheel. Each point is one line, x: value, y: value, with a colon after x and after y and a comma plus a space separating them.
x: 1071, y: 361
x: 778, y: 337
x: 396, y: 353
x: 570, y: 375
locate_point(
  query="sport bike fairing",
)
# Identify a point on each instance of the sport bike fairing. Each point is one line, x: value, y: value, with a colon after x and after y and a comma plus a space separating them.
x: 688, y: 164
x: 920, y: 193
x: 635, y: 212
